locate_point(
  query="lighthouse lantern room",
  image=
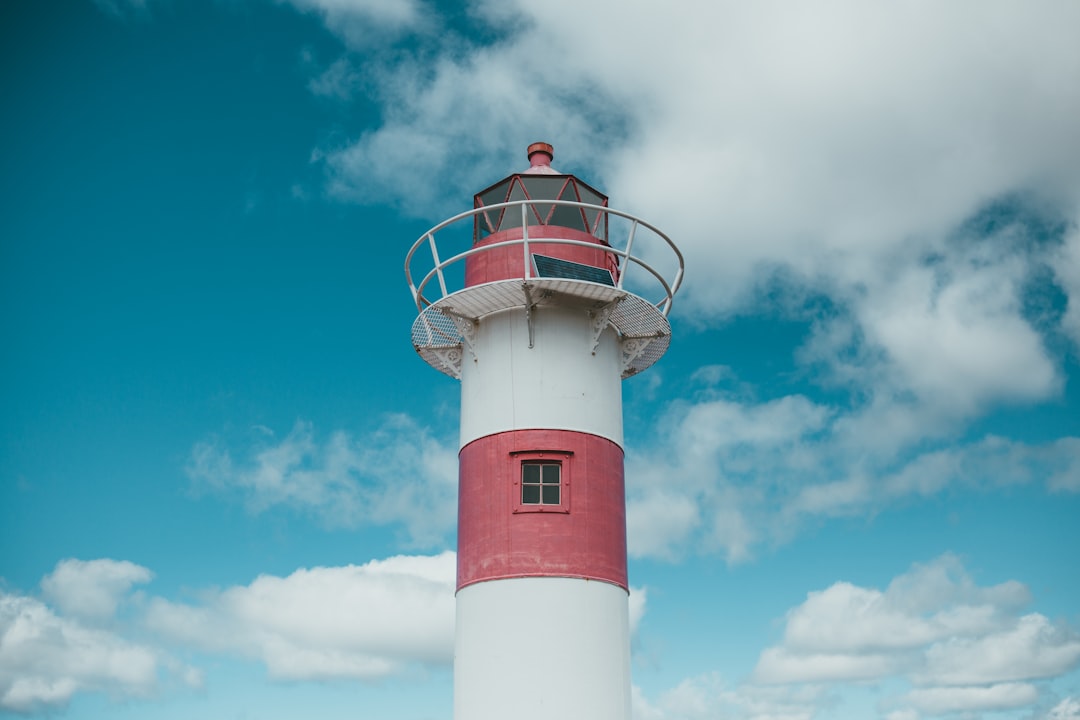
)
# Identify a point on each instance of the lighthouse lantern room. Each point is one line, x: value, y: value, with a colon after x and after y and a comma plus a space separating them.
x: 541, y: 312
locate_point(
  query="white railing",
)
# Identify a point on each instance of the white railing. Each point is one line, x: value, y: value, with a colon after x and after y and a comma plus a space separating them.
x: 622, y: 250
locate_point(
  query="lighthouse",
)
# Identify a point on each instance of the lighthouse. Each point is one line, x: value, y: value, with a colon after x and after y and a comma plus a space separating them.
x: 541, y: 300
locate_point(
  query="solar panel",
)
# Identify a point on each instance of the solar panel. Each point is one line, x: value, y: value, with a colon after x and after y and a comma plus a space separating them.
x: 549, y: 267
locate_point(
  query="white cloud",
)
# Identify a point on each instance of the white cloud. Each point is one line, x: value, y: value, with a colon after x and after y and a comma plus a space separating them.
x: 396, y: 474
x: 1067, y: 709
x: 358, y: 621
x: 658, y: 523
x: 339, y: 81
x: 699, y: 483
x: 638, y: 598
x: 963, y: 646
x: 850, y: 632
x: 728, y: 475
x: 92, y: 589
x: 942, y: 700
x: 1067, y: 271
x: 46, y: 658
x: 1066, y: 465
x: 782, y: 666
x: 905, y: 714
x: 1033, y: 648
x: 362, y: 22
x: 955, y: 335
x: 640, y: 708
x: 925, y: 605
x: 707, y: 697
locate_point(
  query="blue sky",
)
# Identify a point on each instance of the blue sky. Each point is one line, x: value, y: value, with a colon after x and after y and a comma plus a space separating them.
x: 227, y: 483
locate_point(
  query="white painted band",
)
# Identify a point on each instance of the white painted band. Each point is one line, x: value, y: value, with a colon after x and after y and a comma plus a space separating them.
x: 558, y: 383
x: 542, y: 648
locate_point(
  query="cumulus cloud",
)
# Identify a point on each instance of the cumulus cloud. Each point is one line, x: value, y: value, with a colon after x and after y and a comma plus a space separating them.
x: 45, y: 659
x: 340, y: 80
x: 953, y: 334
x: 396, y: 474
x: 699, y: 484
x: 927, y: 604
x: 942, y: 700
x: 361, y: 22
x: 962, y: 646
x: 92, y: 589
x: 1067, y: 270
x: 358, y: 621
x: 724, y: 474
x: 708, y: 696
x: 1033, y: 648
x: 46, y: 656
x: 933, y: 642
x: 1067, y: 709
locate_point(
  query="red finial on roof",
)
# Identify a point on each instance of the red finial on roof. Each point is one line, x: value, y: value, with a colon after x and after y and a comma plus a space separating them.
x: 541, y: 153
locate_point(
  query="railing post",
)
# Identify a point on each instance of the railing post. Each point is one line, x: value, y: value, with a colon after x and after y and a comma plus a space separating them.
x: 438, y: 264
x: 525, y: 238
x: 675, y: 286
x: 629, y: 254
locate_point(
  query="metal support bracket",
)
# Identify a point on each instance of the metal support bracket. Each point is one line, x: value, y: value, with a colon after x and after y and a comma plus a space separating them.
x: 632, y: 347
x: 600, y: 319
x: 529, y: 305
x: 450, y: 358
x: 467, y: 327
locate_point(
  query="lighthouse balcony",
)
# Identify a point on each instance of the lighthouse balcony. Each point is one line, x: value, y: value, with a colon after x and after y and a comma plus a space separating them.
x: 624, y: 280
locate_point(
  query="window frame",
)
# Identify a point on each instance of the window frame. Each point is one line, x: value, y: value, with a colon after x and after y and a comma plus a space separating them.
x: 563, y: 458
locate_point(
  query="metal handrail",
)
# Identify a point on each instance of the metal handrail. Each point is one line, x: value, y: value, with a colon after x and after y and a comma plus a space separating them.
x: 422, y: 302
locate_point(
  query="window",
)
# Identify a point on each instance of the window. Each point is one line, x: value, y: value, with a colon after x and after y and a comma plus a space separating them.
x: 542, y: 482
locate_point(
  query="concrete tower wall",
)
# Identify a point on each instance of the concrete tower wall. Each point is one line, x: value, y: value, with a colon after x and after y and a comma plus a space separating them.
x: 542, y: 611
x: 582, y: 536
x: 558, y: 383
x: 542, y: 648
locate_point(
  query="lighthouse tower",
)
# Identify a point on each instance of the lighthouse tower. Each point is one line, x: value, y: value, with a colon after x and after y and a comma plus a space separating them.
x: 540, y: 312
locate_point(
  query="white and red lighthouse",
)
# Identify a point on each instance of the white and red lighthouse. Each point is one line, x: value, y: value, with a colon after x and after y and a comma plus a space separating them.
x: 541, y: 316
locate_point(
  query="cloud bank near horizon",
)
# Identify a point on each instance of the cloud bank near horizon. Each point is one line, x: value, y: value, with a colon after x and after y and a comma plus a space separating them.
x: 96, y: 630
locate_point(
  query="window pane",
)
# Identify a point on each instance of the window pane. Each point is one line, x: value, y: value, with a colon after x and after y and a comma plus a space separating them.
x: 496, y: 194
x: 568, y: 217
x: 589, y: 196
x: 551, y: 474
x: 530, y: 473
x: 530, y: 494
x: 551, y: 494
x: 592, y: 218
x: 544, y: 188
x: 512, y: 215
x: 488, y: 222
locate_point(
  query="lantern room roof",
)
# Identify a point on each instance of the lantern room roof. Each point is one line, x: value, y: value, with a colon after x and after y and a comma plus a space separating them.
x: 540, y: 156
x: 541, y: 182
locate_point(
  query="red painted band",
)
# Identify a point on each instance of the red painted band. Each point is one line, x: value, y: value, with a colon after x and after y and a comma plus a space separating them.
x: 508, y: 263
x: 583, y: 537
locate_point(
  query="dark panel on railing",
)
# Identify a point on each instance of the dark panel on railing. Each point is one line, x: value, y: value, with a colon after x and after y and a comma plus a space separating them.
x: 549, y: 267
